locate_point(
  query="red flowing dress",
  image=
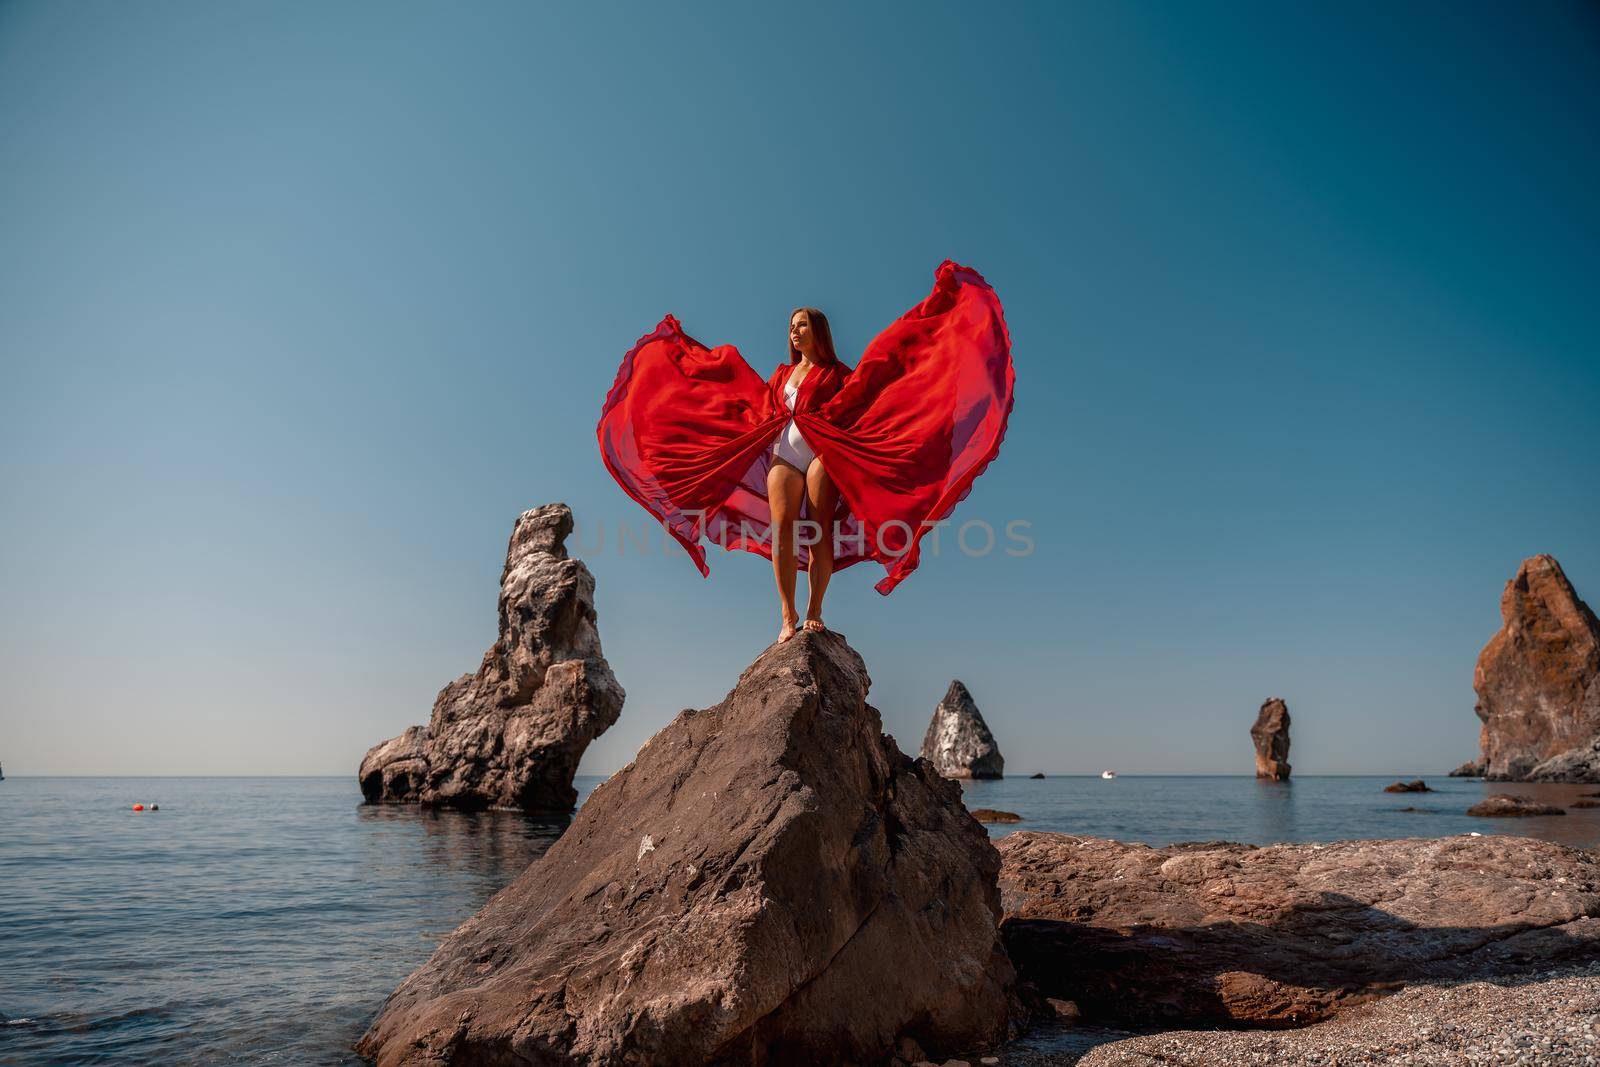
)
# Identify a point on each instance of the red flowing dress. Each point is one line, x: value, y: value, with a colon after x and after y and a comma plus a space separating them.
x: 687, y: 431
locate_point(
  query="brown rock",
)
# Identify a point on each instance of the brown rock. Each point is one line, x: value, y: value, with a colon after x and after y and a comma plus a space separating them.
x: 1585, y: 802
x: 1511, y: 805
x: 1037, y: 774
x: 1271, y: 737
x: 1538, y: 680
x: 958, y: 741
x: 511, y: 735
x: 1473, y: 768
x: 1416, y: 785
x: 1220, y: 934
x: 770, y: 880
x: 992, y: 815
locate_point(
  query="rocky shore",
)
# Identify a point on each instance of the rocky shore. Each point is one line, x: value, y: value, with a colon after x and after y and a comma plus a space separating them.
x: 772, y: 882
x: 1284, y: 935
x: 1541, y: 1020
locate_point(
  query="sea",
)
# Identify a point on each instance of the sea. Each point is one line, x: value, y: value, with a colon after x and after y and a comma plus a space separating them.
x: 264, y: 920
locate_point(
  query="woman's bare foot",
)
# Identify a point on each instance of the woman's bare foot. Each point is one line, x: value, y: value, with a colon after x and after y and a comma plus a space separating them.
x: 787, y: 630
x: 815, y: 625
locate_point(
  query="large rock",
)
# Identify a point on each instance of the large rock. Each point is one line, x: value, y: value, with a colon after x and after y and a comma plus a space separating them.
x: 1224, y: 934
x: 1538, y: 680
x: 1270, y: 734
x: 769, y: 882
x: 958, y: 741
x: 511, y: 735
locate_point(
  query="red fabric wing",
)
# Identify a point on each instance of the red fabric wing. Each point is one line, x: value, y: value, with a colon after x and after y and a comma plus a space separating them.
x: 687, y: 430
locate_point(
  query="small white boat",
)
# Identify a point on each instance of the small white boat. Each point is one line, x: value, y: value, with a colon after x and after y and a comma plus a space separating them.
x: 1108, y: 774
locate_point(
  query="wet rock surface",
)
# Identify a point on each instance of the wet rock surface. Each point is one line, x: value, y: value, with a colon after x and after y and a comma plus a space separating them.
x: 1416, y: 785
x: 1538, y: 681
x: 958, y: 741
x: 1284, y: 935
x: 511, y: 735
x: 1270, y: 734
x: 770, y: 881
x: 1511, y: 806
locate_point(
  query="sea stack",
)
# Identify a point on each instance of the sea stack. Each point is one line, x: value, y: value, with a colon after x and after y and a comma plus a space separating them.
x: 1271, y: 737
x: 769, y: 881
x: 511, y: 735
x: 1538, y: 681
x: 958, y: 741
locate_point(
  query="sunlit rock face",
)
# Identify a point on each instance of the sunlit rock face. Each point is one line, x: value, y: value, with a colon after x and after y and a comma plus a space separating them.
x: 1538, y: 681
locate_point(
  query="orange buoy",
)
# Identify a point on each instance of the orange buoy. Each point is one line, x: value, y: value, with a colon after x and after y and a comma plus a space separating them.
x: 138, y: 807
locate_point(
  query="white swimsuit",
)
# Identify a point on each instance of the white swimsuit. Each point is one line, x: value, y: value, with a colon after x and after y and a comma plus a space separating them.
x: 790, y: 446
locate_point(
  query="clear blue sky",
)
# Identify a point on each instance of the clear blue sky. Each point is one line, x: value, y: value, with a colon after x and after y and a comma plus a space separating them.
x: 301, y: 304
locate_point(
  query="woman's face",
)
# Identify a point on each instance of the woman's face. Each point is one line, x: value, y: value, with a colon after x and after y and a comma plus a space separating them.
x: 800, y: 333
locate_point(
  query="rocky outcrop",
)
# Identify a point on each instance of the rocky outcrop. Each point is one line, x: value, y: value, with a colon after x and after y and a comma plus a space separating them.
x: 958, y: 741
x: 1473, y: 768
x: 1271, y: 737
x: 995, y: 815
x: 770, y: 881
x: 1538, y: 680
x: 511, y: 735
x: 1580, y: 764
x: 1226, y: 934
x: 1512, y: 806
x: 1416, y: 785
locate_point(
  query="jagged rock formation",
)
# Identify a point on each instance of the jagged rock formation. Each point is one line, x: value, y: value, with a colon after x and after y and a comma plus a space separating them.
x: 511, y: 735
x: 769, y: 882
x: 1271, y: 737
x: 958, y: 741
x: 1224, y: 934
x: 1538, y: 680
x: 1473, y: 768
x: 1416, y: 785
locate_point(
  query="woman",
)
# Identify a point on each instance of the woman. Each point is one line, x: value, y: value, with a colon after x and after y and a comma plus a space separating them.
x: 797, y: 474
x: 846, y: 466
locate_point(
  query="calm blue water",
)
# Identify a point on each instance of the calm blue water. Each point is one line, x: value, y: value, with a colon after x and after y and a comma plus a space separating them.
x: 264, y: 920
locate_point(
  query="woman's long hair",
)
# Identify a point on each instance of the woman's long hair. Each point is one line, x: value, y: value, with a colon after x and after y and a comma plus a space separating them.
x: 821, y: 337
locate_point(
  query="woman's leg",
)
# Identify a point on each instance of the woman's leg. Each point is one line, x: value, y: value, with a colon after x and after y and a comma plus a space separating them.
x: 786, y: 487
x: 823, y: 498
